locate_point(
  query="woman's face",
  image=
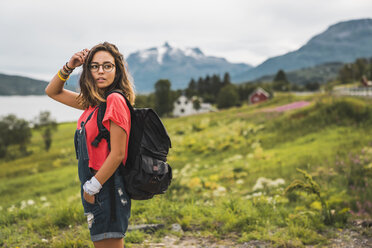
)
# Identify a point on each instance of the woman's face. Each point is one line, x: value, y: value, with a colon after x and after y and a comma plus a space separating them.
x: 103, y: 69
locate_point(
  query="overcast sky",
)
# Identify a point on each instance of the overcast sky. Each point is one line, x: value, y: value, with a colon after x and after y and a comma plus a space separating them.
x: 39, y: 36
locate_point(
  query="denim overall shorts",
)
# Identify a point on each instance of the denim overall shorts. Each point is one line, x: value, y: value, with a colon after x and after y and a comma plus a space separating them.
x: 109, y: 215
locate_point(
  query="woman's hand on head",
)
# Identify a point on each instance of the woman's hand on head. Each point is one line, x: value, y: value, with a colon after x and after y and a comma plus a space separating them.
x: 78, y: 59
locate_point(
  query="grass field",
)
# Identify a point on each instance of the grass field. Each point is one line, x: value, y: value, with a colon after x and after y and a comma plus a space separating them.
x: 243, y: 174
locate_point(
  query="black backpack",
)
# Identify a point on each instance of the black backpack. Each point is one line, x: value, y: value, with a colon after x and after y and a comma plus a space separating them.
x: 146, y: 172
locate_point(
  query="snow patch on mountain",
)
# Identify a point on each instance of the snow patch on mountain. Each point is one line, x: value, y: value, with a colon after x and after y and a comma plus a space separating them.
x: 158, y: 53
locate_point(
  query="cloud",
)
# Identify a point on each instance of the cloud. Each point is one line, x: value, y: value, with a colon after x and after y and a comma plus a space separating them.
x: 39, y: 36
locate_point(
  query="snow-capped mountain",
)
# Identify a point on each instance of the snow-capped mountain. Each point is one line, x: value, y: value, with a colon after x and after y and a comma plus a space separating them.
x: 177, y: 64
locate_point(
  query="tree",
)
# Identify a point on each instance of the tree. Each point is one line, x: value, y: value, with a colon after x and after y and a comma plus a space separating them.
x: 244, y: 90
x: 196, y: 104
x: 46, y: 125
x: 360, y: 68
x: 145, y: 101
x: 216, y: 85
x: 346, y: 74
x: 191, y: 89
x: 226, y: 79
x: 312, y: 86
x: 228, y: 97
x: 207, y: 84
x: 163, y: 97
x: 280, y: 82
x: 14, y: 131
x: 280, y: 76
x: 200, y: 85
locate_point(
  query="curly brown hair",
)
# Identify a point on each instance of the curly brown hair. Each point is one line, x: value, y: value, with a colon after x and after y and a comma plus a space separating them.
x: 90, y: 94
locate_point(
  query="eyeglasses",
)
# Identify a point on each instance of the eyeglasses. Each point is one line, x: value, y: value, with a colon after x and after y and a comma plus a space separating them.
x: 107, y: 67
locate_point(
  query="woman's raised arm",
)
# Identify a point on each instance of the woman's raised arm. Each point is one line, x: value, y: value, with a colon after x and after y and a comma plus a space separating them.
x: 55, y: 88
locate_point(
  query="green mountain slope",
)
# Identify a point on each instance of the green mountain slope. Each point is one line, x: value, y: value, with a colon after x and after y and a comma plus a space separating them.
x: 343, y: 42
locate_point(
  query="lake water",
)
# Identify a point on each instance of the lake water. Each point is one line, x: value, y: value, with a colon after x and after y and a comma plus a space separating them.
x: 28, y: 107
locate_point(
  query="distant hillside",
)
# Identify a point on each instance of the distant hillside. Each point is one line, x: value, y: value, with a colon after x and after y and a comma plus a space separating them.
x: 320, y: 74
x: 22, y: 86
x: 343, y: 42
x: 17, y: 85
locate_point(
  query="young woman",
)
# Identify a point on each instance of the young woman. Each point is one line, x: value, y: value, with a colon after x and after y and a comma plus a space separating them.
x: 105, y: 202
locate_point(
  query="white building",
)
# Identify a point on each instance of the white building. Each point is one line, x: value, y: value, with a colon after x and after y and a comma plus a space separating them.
x: 184, y: 106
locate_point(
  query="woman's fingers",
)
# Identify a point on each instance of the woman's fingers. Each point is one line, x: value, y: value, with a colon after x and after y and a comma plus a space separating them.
x: 83, y: 54
x: 79, y: 58
x: 88, y: 198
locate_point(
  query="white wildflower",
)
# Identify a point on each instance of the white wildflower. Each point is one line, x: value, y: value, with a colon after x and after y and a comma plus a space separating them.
x: 44, y: 240
x: 11, y: 209
x: 23, y: 204
x: 262, y: 182
x: 43, y: 198
x: 257, y: 194
x: 186, y: 169
x: 70, y: 226
x: 46, y: 204
x: 30, y: 202
x: 240, y: 181
x: 277, y: 182
x: 233, y: 158
x: 219, y: 191
x: 255, y: 145
x: 248, y: 196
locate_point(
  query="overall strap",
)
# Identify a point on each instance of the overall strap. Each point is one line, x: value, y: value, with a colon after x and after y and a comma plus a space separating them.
x: 83, y: 123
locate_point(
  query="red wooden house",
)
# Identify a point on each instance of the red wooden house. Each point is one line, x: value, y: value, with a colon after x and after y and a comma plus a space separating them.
x: 259, y: 95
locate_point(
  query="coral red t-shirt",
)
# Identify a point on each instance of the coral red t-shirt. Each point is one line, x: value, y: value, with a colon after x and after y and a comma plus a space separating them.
x: 117, y: 111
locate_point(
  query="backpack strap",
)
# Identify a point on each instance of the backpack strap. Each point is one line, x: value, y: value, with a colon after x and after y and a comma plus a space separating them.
x: 103, y: 133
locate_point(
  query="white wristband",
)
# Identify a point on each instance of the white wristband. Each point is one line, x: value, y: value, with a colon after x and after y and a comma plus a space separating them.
x: 92, y: 186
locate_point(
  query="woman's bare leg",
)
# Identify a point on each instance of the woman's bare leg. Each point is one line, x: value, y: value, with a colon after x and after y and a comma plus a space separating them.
x: 111, y: 243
